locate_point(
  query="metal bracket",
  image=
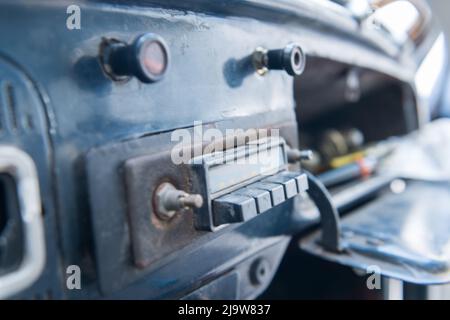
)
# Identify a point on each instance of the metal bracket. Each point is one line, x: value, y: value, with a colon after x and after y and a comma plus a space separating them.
x: 329, y: 217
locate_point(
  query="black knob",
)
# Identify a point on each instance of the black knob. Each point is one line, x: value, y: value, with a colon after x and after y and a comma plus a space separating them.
x: 146, y: 58
x: 291, y: 59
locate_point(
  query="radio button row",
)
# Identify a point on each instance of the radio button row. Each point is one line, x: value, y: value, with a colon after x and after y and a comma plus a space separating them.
x: 233, y: 208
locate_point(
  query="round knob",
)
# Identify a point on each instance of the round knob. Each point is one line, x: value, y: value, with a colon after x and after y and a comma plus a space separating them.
x: 291, y: 58
x: 146, y: 58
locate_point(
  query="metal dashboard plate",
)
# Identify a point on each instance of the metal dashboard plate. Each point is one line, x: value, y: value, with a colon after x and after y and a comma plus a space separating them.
x: 407, y: 235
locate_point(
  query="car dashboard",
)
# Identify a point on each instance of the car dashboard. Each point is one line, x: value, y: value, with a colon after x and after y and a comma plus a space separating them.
x: 181, y: 149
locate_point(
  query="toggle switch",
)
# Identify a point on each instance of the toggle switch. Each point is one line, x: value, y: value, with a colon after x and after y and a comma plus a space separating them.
x: 169, y: 200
